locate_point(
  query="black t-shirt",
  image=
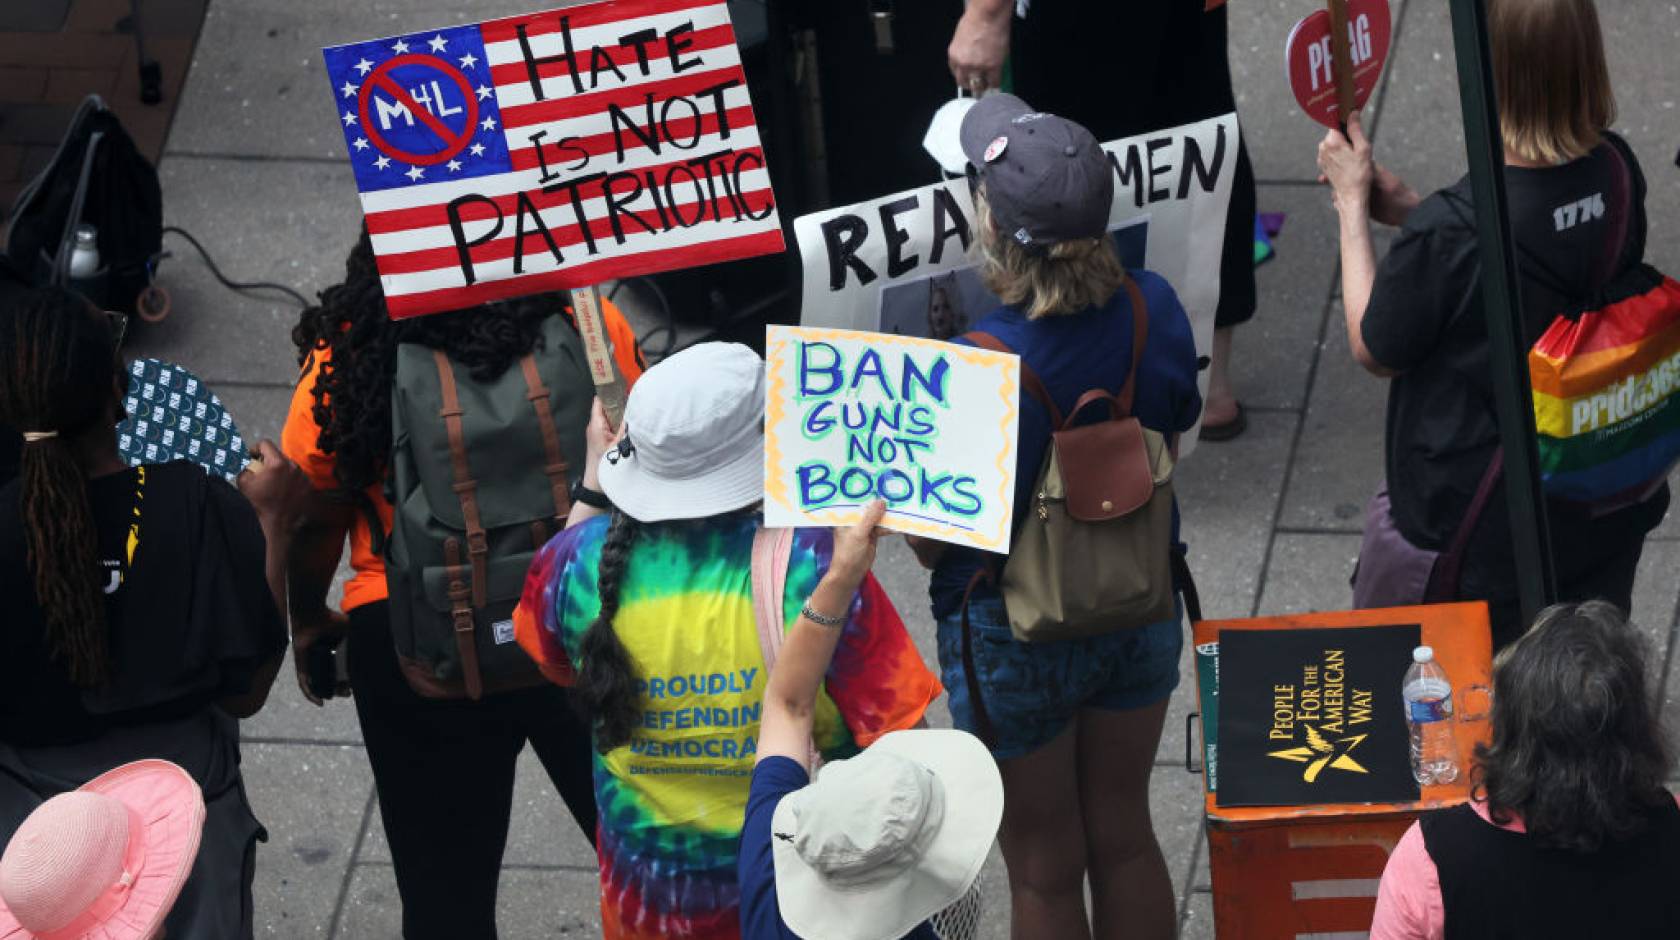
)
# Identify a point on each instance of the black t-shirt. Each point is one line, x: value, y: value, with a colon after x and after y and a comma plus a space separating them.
x: 190, y: 614
x: 1575, y: 226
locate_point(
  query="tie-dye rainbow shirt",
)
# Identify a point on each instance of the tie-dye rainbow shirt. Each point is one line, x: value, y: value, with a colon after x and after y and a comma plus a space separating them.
x: 672, y: 801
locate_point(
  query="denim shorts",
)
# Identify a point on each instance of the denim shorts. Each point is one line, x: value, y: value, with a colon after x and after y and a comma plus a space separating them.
x: 1033, y: 690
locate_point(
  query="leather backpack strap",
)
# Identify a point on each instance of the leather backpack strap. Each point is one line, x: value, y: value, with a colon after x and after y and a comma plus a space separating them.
x: 1030, y: 381
x: 556, y: 467
x: 1116, y: 410
x: 1140, y: 339
x: 1444, y: 580
x: 459, y: 593
x: 466, y: 488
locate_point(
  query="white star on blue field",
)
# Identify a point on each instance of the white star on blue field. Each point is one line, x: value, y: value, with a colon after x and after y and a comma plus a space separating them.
x: 430, y: 117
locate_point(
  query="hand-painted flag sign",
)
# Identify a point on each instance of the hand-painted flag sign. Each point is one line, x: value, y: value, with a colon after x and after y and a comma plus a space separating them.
x: 553, y: 150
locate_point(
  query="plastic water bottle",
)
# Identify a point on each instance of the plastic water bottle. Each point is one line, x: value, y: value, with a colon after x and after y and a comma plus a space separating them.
x: 84, y: 254
x: 1429, y: 718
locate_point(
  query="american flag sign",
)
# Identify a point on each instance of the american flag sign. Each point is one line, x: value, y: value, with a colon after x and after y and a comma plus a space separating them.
x: 553, y: 150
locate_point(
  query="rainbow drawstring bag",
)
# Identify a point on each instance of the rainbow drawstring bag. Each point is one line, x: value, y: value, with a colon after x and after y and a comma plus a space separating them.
x: 1606, y: 385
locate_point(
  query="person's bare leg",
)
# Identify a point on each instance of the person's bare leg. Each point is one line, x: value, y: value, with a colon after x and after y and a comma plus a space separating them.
x: 1131, y: 891
x: 1221, y: 405
x: 1043, y: 842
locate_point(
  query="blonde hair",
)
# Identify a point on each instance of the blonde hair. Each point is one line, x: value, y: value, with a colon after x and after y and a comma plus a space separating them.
x: 1552, y: 82
x: 1066, y: 278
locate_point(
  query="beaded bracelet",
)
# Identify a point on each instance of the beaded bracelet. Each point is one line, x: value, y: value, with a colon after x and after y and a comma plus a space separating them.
x: 821, y: 619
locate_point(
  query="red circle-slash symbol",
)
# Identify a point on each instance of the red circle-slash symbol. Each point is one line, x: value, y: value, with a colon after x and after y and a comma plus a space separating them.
x: 453, y: 142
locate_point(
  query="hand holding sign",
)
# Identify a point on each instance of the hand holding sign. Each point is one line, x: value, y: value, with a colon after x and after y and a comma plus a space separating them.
x: 928, y: 427
x: 1326, y: 90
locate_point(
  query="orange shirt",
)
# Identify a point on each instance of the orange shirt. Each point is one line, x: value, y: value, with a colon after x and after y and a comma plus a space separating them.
x: 298, y: 442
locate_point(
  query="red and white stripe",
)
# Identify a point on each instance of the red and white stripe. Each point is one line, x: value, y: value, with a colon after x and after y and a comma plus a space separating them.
x: 412, y: 239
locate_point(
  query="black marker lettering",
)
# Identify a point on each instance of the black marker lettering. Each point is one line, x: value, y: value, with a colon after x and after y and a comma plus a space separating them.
x: 569, y: 56
x: 675, y: 46
x: 716, y: 91
x: 548, y: 176
x: 1155, y: 170
x: 648, y: 137
x: 671, y: 196
x: 1206, y: 174
x: 573, y: 185
x: 659, y: 203
x: 528, y: 209
x: 844, y: 235
x: 617, y: 205
x: 897, y: 264
x: 640, y: 39
x: 741, y: 160
x: 597, y: 56
x: 665, y: 123
x: 948, y: 220
x: 1129, y: 172
x: 463, y: 246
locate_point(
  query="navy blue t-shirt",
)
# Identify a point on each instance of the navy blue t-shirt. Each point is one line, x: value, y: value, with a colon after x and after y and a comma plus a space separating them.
x: 1073, y: 354
x: 761, y: 916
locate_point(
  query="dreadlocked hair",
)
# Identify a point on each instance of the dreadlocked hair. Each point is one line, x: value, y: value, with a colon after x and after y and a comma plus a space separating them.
x: 352, y: 391
x: 59, y: 368
x: 607, y: 680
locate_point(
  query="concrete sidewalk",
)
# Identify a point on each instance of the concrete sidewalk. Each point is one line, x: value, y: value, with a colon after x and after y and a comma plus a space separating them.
x: 255, y: 167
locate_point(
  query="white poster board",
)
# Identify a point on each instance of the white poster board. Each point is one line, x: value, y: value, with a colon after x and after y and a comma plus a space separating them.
x: 929, y: 427
x: 902, y: 263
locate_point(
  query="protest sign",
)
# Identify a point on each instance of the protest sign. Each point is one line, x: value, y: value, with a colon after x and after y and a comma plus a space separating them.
x: 1314, y: 715
x: 553, y: 151
x: 1310, y: 54
x: 929, y: 427
x: 902, y: 264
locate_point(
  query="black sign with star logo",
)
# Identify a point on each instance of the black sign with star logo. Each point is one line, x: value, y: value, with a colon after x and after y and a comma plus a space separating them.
x: 1314, y: 716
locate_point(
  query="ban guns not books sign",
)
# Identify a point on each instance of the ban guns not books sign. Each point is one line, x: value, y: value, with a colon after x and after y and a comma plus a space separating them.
x: 553, y: 150
x: 1314, y: 716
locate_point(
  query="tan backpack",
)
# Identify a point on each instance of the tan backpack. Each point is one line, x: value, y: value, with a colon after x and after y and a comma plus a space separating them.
x: 1093, y: 551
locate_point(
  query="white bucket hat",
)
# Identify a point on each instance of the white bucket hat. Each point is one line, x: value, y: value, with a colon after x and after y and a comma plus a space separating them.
x: 694, y: 437
x: 885, y: 840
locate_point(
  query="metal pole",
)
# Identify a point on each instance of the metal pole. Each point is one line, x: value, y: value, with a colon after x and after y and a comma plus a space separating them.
x: 1531, y: 542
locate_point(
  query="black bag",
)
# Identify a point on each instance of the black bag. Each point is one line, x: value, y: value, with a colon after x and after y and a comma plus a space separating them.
x: 98, y: 178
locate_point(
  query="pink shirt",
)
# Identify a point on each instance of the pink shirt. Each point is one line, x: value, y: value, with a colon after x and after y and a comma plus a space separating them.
x: 1409, y: 898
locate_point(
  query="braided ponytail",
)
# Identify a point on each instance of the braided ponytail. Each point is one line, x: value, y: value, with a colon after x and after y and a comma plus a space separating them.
x: 607, y: 680
x: 57, y: 366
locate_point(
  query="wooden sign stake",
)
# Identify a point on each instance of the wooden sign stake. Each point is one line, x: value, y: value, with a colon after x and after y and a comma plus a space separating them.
x: 609, y: 385
x: 1341, y: 60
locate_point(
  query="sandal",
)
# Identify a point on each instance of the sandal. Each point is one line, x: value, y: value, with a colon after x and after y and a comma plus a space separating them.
x: 1228, y: 430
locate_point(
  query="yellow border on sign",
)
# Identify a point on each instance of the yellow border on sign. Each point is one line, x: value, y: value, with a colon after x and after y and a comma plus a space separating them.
x: 775, y: 478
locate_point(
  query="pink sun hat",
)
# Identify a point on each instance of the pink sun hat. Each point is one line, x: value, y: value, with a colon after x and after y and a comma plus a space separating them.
x: 103, y: 862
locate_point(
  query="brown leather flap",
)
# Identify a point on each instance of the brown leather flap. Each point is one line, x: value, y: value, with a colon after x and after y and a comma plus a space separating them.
x: 1106, y: 470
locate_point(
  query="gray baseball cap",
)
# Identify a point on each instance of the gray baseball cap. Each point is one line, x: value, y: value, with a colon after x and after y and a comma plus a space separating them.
x: 1047, y: 179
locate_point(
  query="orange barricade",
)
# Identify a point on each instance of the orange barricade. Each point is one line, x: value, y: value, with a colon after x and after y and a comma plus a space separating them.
x: 1293, y: 871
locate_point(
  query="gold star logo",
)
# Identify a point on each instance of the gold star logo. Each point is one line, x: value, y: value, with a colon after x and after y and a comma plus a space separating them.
x: 1320, y: 753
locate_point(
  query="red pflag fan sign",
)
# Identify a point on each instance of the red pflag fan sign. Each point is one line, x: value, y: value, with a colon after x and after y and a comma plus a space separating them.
x: 1311, y: 55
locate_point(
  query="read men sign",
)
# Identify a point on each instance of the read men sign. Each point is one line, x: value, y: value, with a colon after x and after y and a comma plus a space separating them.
x: 553, y: 150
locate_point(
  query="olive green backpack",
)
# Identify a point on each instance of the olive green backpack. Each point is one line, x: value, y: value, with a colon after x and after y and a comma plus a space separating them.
x: 1092, y: 551
x: 480, y: 479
